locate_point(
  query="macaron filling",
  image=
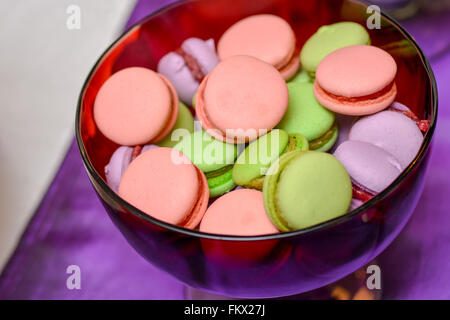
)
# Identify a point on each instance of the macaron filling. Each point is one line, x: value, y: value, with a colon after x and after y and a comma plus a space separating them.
x: 195, y: 215
x: 321, y: 141
x: 291, y: 66
x: 192, y: 64
x: 424, y: 125
x: 296, y: 142
x: 389, y: 91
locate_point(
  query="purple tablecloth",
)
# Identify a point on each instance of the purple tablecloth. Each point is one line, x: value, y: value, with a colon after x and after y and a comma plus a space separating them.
x: 70, y: 226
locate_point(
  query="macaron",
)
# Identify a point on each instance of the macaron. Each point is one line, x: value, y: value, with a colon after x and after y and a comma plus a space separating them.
x: 356, y: 80
x: 371, y: 168
x: 213, y: 157
x: 119, y: 162
x: 175, y: 192
x: 391, y: 131
x: 329, y: 38
x: 136, y: 106
x: 183, y: 126
x: 187, y: 66
x: 238, y: 213
x: 301, y: 76
x: 266, y: 37
x: 242, y: 98
x: 250, y: 168
x: 305, y: 188
x: 308, y: 117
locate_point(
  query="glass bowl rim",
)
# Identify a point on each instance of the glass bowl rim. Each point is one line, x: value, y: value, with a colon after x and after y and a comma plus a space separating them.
x: 276, y: 236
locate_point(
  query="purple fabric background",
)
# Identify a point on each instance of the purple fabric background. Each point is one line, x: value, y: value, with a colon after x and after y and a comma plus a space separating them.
x: 71, y: 227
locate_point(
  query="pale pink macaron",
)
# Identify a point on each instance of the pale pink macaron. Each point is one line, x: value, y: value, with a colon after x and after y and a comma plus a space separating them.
x: 238, y: 213
x: 392, y: 131
x: 242, y: 98
x: 266, y: 37
x: 163, y: 183
x: 136, y: 106
x: 356, y: 80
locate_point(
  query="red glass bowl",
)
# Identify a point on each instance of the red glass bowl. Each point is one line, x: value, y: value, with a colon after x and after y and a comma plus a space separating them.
x: 273, y: 265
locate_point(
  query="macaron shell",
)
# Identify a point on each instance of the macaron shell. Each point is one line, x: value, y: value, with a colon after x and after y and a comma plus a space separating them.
x: 258, y: 156
x: 301, y: 76
x: 313, y: 188
x: 172, y: 116
x: 244, y: 95
x: 238, y: 213
x: 161, y: 187
x: 204, y: 53
x: 304, y: 113
x: 185, y: 121
x: 117, y: 165
x: 193, y: 220
x: 221, y: 184
x: 391, y: 131
x: 369, y: 166
x: 356, y: 71
x: 207, y: 153
x: 357, y: 107
x: 134, y: 106
x: 330, y: 38
x: 266, y: 37
x: 174, y: 68
x: 291, y: 68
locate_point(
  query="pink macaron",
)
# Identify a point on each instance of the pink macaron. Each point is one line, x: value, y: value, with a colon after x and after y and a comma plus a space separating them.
x: 266, y: 37
x: 242, y: 98
x: 238, y: 213
x: 119, y: 162
x: 172, y: 191
x: 136, y: 106
x: 356, y: 80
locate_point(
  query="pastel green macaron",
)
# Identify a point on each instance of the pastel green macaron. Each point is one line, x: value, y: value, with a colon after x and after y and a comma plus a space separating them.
x: 185, y: 121
x: 306, y: 116
x: 250, y: 167
x: 305, y: 188
x: 301, y: 76
x: 213, y: 157
x: 328, y: 39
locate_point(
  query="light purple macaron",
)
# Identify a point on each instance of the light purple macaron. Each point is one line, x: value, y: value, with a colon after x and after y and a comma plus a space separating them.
x: 119, y: 162
x: 392, y: 131
x: 186, y: 67
x: 371, y: 168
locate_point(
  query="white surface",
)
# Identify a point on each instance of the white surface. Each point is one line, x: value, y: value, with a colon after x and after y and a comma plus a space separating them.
x: 42, y: 68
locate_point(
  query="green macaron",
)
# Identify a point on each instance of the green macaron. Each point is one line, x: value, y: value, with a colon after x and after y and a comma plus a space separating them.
x: 305, y: 115
x: 328, y: 39
x: 305, y: 188
x: 250, y: 167
x: 213, y: 157
x: 185, y: 121
x: 301, y: 76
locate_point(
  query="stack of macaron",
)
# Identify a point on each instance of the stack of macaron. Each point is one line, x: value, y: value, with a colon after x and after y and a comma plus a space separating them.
x: 256, y: 161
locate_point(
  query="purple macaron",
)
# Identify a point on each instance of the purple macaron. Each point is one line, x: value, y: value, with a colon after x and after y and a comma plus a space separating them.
x: 371, y: 168
x: 392, y: 131
x: 187, y: 66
